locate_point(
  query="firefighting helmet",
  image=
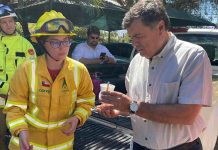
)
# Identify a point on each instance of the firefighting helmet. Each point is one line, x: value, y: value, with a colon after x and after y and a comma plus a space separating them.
x: 52, y: 23
x: 6, y: 11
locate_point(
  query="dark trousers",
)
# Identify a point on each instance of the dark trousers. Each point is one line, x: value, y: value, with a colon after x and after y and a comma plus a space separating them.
x: 194, y: 145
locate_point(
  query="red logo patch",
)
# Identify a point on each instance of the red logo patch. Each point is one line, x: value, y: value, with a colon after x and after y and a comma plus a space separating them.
x: 31, y: 51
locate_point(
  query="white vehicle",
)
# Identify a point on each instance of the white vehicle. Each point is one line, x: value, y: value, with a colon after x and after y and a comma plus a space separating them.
x: 207, y: 38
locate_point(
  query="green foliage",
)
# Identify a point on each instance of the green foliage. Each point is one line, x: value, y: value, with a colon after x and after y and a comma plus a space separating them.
x: 114, y: 37
x: 96, y: 2
x: 126, y: 38
x: 196, y: 7
x: 186, y: 5
x: 80, y: 32
x: 126, y: 3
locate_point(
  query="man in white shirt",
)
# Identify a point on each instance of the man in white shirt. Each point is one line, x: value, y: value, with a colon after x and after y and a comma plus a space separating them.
x: 168, y: 82
x: 91, y: 52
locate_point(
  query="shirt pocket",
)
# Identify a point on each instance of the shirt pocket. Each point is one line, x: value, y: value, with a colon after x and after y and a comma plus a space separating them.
x: 10, y: 62
x: 43, y: 98
x: 19, y: 61
x: 168, y: 93
x: 20, y: 58
x: 65, y: 99
x: 65, y: 104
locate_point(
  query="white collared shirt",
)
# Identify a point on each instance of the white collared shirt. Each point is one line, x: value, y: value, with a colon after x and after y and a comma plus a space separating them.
x: 85, y: 51
x: 180, y: 74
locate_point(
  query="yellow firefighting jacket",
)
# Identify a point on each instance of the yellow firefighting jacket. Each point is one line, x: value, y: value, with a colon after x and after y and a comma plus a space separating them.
x: 14, y: 50
x: 41, y: 106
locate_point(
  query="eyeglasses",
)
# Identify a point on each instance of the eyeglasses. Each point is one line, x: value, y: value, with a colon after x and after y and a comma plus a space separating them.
x: 93, y: 37
x: 54, y: 26
x: 57, y: 44
x: 6, y: 10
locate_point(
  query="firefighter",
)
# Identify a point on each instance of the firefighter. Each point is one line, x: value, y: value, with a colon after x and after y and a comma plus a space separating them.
x: 14, y: 50
x: 51, y: 96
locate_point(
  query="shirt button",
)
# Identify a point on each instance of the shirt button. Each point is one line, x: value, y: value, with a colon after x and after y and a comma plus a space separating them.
x: 149, y: 85
x: 146, y: 138
x: 152, y: 68
x: 145, y: 121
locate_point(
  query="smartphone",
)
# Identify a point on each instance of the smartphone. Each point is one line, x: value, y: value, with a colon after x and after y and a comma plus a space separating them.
x: 102, y: 56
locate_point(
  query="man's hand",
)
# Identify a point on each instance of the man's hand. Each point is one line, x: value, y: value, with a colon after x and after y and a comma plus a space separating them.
x: 107, y: 110
x: 115, y: 101
x: 71, y: 125
x: 24, y: 140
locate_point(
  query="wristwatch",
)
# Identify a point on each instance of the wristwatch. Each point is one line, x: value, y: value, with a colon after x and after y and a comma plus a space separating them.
x: 133, y: 107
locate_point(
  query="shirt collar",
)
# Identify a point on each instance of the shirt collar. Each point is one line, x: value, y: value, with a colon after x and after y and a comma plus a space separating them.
x: 6, y: 35
x: 167, y: 48
x: 44, y: 71
x: 91, y: 47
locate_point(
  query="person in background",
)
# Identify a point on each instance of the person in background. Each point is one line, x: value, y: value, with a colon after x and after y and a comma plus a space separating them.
x: 168, y: 83
x: 49, y: 97
x: 14, y: 50
x: 91, y: 52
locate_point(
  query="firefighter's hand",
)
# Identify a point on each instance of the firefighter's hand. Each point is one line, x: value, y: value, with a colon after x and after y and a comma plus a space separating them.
x: 24, y: 140
x: 70, y: 125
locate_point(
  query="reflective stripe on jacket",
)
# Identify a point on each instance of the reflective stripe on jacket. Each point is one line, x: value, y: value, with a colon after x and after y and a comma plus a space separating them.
x: 14, y: 50
x: 40, y: 105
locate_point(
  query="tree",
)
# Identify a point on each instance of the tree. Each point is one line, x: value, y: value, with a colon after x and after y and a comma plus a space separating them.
x: 113, y: 37
x: 202, y: 8
x: 80, y: 31
x: 196, y: 7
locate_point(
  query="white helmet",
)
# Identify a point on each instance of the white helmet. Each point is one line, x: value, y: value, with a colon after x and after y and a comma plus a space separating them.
x: 6, y: 11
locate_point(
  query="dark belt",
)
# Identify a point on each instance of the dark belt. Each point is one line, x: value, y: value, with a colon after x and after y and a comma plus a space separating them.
x: 194, y: 145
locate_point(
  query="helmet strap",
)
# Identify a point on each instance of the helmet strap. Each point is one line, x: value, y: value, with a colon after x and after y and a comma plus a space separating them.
x: 50, y: 55
x: 42, y: 46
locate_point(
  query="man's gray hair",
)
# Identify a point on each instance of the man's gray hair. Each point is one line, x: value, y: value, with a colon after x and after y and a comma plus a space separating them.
x: 149, y: 11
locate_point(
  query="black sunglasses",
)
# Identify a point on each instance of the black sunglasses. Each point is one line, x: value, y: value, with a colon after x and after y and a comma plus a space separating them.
x: 93, y: 37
